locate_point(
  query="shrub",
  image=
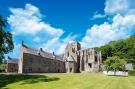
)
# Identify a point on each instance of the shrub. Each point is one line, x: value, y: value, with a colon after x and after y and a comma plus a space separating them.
x: 134, y: 65
x: 131, y: 72
x: 2, y: 67
x: 114, y: 63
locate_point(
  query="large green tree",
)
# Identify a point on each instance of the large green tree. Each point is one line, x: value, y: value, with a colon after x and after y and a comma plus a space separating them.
x: 6, y: 43
x: 122, y: 48
x: 114, y: 64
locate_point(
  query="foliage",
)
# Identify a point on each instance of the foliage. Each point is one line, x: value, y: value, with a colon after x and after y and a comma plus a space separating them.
x: 114, y: 63
x: 131, y: 72
x: 2, y: 67
x: 134, y: 65
x: 122, y: 48
x: 6, y: 43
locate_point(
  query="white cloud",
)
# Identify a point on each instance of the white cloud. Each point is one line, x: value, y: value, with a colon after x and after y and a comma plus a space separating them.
x: 122, y: 13
x: 98, y: 16
x: 98, y: 35
x: 113, y: 7
x: 29, y: 21
x: 58, y: 45
x: 37, y: 39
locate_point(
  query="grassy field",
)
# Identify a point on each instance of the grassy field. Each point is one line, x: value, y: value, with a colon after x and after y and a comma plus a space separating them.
x: 65, y: 81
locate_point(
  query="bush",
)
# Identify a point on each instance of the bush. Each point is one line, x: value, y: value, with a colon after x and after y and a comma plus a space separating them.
x: 131, y: 72
x: 2, y: 67
x: 114, y: 63
x: 134, y: 65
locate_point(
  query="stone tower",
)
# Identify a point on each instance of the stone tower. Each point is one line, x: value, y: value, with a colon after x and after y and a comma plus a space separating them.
x: 90, y: 60
x: 72, y: 57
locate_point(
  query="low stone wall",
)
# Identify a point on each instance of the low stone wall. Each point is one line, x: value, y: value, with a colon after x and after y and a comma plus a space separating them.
x: 118, y: 73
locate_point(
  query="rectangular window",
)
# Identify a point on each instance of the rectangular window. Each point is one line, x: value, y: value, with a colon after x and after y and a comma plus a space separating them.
x: 31, y: 60
x: 30, y: 69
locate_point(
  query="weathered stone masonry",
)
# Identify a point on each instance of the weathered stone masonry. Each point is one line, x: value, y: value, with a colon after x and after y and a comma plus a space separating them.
x: 12, y: 65
x: 78, y: 60
x: 74, y: 60
x: 37, y: 61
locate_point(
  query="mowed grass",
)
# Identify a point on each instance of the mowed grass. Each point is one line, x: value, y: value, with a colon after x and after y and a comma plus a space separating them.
x: 66, y: 81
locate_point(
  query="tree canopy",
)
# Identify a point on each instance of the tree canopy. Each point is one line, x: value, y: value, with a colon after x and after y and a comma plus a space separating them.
x: 6, y: 43
x: 114, y: 64
x: 125, y: 49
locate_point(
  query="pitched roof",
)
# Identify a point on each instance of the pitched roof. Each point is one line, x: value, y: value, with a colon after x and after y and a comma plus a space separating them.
x: 40, y: 52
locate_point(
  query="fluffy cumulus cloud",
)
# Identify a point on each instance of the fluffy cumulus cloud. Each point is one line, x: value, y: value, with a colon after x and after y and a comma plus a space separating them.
x: 58, y: 46
x: 122, y: 24
x: 27, y: 22
x: 119, y: 6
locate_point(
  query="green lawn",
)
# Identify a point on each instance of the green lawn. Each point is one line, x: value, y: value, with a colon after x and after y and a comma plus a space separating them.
x: 65, y: 81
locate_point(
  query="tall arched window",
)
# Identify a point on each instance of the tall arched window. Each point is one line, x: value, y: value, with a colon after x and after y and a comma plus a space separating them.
x: 73, y: 50
x: 68, y: 54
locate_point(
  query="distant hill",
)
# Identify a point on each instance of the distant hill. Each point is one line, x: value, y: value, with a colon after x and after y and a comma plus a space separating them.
x: 122, y: 48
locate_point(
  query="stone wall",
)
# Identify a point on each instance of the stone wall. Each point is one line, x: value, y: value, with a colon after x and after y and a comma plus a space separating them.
x: 12, y: 67
x: 39, y: 64
x: 74, y: 60
x: 82, y: 60
x: 71, y: 57
x: 89, y: 60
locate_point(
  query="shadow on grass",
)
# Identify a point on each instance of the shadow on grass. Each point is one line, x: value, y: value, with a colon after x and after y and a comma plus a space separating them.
x: 6, y: 79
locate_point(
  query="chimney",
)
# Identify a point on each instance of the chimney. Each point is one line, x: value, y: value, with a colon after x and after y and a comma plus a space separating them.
x: 41, y: 49
x: 54, y: 55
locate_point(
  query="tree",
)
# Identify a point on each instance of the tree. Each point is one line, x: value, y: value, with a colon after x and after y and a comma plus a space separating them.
x: 2, y: 67
x: 114, y: 64
x: 106, y: 51
x: 6, y: 43
x: 125, y: 49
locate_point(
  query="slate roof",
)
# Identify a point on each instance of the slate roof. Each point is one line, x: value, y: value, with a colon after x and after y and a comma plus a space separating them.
x: 41, y: 52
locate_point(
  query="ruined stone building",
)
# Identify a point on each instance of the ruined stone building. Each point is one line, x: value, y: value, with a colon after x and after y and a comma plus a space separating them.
x: 12, y: 65
x: 74, y: 60
x: 77, y: 60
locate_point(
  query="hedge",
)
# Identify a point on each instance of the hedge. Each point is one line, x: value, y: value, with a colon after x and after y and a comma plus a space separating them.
x: 131, y: 72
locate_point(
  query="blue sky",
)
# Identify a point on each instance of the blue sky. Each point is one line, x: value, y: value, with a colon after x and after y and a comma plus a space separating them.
x: 51, y: 24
